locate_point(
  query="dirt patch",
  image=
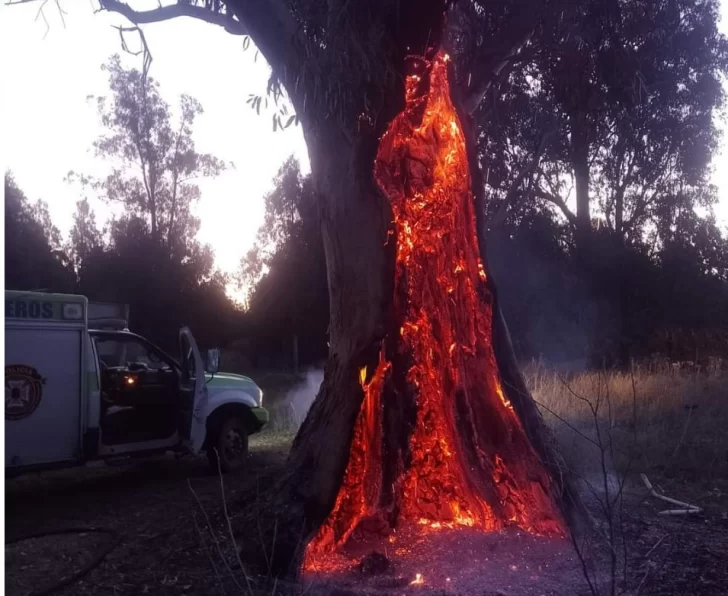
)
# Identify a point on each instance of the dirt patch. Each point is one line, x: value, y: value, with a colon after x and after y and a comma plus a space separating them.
x: 174, y: 539
x: 683, y: 555
x: 161, y: 510
x: 35, y: 564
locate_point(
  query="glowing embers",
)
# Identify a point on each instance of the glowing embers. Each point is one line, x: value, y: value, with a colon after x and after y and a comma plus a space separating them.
x: 469, y: 463
x: 422, y: 166
x: 359, y: 493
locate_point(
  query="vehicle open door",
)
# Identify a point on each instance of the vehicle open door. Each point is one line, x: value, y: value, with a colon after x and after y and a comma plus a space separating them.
x: 194, y: 390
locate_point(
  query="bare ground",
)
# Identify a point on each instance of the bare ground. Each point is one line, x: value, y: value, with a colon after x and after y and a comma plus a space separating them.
x: 173, y: 539
x: 165, y: 537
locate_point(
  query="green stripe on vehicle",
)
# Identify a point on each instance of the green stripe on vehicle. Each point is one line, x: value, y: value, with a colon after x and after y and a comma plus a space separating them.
x: 261, y: 414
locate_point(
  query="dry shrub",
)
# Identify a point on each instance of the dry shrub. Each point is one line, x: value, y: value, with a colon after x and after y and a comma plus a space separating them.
x: 669, y: 420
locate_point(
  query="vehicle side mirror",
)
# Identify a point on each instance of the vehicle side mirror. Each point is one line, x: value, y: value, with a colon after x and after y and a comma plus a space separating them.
x: 212, y: 361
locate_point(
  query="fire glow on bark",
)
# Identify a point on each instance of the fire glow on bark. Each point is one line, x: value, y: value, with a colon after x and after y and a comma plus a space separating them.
x: 470, y: 462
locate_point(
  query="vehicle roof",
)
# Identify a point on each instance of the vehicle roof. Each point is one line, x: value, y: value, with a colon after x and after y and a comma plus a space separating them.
x: 47, y: 296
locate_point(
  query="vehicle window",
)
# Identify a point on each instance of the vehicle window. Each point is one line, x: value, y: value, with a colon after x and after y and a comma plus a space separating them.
x: 139, y: 353
x: 119, y: 352
x: 110, y: 351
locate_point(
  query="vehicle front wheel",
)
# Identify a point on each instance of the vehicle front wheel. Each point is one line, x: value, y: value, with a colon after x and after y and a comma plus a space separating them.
x: 228, y: 451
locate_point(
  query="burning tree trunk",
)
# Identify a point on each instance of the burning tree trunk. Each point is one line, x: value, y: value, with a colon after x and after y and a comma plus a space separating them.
x: 423, y: 419
x: 437, y: 440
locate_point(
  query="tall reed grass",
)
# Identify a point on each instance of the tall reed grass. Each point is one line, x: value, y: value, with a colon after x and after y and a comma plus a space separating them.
x: 657, y: 418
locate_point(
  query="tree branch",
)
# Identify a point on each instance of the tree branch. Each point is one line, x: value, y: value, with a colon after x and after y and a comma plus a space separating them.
x: 558, y: 201
x: 481, y: 85
x: 269, y: 23
x: 500, y: 216
x: 172, y: 11
x: 503, y: 52
x: 279, y: 37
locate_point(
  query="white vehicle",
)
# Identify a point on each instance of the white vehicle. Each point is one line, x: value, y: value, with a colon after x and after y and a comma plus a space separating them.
x: 74, y: 394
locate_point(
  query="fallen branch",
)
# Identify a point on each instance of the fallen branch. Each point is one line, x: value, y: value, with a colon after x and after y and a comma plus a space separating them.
x: 679, y: 511
x: 688, y: 508
x: 658, y: 543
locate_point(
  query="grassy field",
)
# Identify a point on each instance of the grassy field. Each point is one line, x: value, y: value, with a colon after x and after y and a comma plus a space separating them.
x: 655, y: 419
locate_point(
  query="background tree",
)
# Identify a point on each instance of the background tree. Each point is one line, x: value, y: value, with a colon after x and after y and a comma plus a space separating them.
x: 611, y: 110
x: 159, y: 268
x: 286, y: 273
x: 605, y: 122
x: 33, y: 256
x: 85, y: 237
x: 155, y: 161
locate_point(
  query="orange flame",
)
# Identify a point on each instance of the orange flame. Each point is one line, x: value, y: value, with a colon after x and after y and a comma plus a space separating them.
x: 361, y: 486
x: 471, y: 463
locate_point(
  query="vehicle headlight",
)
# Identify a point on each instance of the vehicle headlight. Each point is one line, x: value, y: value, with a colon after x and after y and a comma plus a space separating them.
x: 260, y: 398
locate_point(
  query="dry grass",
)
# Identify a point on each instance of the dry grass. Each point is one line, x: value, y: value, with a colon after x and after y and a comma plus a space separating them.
x: 666, y: 420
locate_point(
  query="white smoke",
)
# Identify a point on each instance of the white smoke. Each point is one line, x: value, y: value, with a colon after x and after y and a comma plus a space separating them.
x: 299, y: 399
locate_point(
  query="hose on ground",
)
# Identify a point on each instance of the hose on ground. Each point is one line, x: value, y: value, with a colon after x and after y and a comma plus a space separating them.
x: 69, y: 579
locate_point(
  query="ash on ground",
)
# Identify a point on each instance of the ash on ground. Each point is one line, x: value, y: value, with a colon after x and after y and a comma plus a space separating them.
x: 451, y: 561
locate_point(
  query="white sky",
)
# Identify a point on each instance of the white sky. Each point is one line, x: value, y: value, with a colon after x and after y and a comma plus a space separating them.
x: 48, y: 126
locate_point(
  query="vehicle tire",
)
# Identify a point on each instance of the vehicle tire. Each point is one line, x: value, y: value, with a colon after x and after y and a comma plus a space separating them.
x: 228, y: 451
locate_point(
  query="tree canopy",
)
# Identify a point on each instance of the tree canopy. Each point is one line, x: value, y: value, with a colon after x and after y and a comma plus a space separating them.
x: 286, y: 271
x: 155, y: 162
x: 33, y: 256
x: 610, y: 118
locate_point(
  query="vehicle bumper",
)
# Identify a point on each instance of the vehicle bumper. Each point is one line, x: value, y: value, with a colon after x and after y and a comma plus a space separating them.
x: 261, y: 415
